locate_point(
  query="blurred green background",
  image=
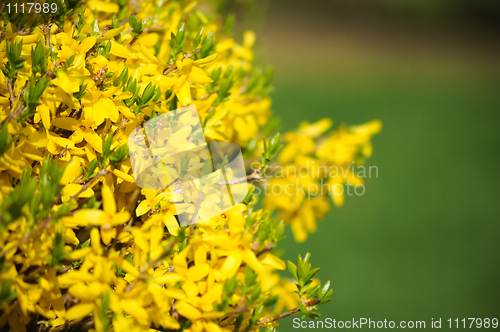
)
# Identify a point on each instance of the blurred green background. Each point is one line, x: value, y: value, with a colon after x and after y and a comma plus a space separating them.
x: 424, y: 241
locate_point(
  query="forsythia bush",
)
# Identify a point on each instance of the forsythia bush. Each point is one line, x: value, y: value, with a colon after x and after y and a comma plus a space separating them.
x: 82, y: 247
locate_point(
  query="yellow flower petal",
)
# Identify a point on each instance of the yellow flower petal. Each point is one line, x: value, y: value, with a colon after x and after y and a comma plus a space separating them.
x: 231, y: 264
x: 198, y: 75
x: 120, y: 50
x: 197, y: 272
x: 171, y: 223
x: 147, y: 53
x: 123, y: 176
x: 86, y: 293
x: 93, y: 139
x: 68, y: 85
x: 73, y: 188
x: 45, y: 115
x: 85, y: 217
x: 87, y: 44
x: 102, y: 6
x: 107, y: 108
x: 108, y: 200
x: 135, y: 310
x: 184, y: 94
x: 206, y: 60
x: 142, y: 208
x: 251, y: 260
x: 79, y: 310
x: 113, y: 32
x: 66, y: 123
x: 270, y: 259
x: 78, y: 254
x: 187, y: 310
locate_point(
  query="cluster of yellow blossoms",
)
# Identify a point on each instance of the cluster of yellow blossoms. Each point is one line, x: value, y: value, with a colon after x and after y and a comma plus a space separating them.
x: 314, y: 164
x: 82, y: 247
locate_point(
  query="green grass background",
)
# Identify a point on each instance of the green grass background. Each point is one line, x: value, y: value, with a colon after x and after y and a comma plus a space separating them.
x: 424, y: 241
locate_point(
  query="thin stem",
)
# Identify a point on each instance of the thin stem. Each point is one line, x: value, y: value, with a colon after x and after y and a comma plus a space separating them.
x: 231, y: 315
x: 91, y: 183
x: 46, y: 32
x: 19, y: 108
x: 267, y: 248
x: 267, y: 320
x: 255, y: 175
x: 151, y: 264
x: 28, y: 236
x: 106, y: 28
x: 133, y: 41
x: 74, y: 325
x: 11, y: 91
x: 170, y: 68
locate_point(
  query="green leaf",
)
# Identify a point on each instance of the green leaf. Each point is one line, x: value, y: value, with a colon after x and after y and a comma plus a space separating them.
x: 122, y: 78
x: 271, y: 301
x: 88, y: 173
x: 137, y: 26
x: 249, y: 196
x: 4, y: 139
x: 5, y: 294
x: 168, y: 94
x: 13, y: 51
x: 14, y: 202
x: 325, y: 289
x: 181, y: 33
x: 238, y: 321
x: 229, y: 23
x: 70, y: 60
x: 104, y: 311
x: 279, y: 231
x: 184, y: 165
x: 215, y: 74
x: 250, y: 278
x: 303, y: 308
x: 106, y: 146
x: 325, y: 300
x: 225, y: 85
x: 157, y: 94
x: 118, y: 155
x: 257, y: 314
x: 197, y: 39
x: 229, y: 287
x: 39, y: 58
x: 207, y: 45
x: 132, y: 21
x: 57, y: 251
x: 306, y: 257
x: 81, y: 93
x: 274, y: 144
x: 32, y: 94
x: 148, y: 94
x: 255, y: 294
x: 313, y: 314
x: 95, y: 27
x: 250, y: 219
x: 293, y: 270
x: 311, y: 274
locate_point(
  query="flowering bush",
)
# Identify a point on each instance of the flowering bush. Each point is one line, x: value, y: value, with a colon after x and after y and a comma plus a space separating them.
x: 82, y: 247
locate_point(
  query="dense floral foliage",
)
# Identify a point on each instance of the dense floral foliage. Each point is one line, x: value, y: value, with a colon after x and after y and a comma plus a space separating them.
x: 81, y: 245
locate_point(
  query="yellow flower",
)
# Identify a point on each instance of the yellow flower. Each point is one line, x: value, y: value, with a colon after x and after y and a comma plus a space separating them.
x: 79, y: 240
